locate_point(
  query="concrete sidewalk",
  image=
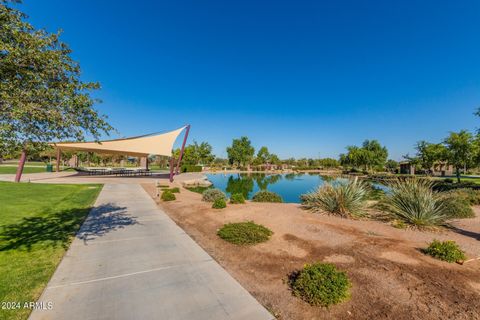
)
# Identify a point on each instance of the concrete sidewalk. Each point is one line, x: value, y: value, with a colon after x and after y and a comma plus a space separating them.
x: 131, y: 261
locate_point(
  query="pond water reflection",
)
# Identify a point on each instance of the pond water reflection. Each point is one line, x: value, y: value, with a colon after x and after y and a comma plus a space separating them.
x: 290, y: 186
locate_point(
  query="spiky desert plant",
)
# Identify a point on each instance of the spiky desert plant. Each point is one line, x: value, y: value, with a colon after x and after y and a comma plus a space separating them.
x: 414, y: 202
x: 343, y: 198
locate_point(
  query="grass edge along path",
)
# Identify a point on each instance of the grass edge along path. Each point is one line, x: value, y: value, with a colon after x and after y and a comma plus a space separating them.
x: 37, y: 225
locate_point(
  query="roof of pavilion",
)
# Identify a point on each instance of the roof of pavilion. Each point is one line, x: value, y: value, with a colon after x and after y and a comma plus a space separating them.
x: 140, y: 146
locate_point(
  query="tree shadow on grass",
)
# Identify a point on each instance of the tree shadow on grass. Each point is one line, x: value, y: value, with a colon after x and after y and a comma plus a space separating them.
x: 56, y: 229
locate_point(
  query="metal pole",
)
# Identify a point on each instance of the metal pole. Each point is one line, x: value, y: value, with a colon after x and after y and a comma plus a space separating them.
x: 21, y: 164
x: 183, y: 148
x: 59, y: 154
x: 171, y: 169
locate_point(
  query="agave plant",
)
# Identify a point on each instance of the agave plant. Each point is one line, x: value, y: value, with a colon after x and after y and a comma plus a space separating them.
x: 343, y: 198
x: 414, y: 202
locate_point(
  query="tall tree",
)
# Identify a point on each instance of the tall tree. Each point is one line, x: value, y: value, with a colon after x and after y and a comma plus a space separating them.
x: 196, y: 153
x: 240, y: 152
x: 391, y: 165
x: 42, y: 97
x: 429, y: 154
x: 376, y: 154
x: 462, y: 150
x: 263, y: 156
x: 205, y: 154
x: 370, y: 155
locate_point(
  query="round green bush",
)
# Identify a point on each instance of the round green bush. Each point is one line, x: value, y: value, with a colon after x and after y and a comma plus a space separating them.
x: 237, y: 198
x: 321, y: 284
x: 244, y: 233
x: 210, y: 195
x: 266, y: 196
x: 219, y: 204
x: 447, y: 251
x: 457, y: 207
x: 167, y: 195
x: 173, y: 190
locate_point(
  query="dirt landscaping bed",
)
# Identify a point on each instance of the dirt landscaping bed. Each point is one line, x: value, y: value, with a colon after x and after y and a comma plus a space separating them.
x: 391, y: 278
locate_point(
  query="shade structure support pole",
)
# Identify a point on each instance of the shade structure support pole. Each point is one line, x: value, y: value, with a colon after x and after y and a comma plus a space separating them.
x: 171, y: 169
x: 59, y: 154
x: 21, y: 164
x: 183, y: 148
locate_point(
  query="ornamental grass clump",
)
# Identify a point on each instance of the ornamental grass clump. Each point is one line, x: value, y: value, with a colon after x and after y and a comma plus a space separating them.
x: 244, y: 233
x: 167, y: 195
x: 237, y: 198
x: 447, y: 251
x: 415, y: 203
x: 343, y: 198
x: 321, y: 284
x: 219, y: 204
x: 210, y: 195
x: 266, y: 196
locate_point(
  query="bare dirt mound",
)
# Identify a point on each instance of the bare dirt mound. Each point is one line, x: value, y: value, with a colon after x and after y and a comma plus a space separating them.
x: 391, y: 278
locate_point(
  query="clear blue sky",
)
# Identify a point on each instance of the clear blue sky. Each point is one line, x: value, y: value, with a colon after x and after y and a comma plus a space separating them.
x: 305, y: 78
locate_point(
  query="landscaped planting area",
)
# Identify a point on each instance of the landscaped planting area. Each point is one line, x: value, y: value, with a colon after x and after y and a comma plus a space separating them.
x: 360, y: 266
x: 37, y: 223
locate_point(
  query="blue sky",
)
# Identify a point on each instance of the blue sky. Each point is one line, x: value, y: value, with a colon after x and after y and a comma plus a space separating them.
x: 305, y: 78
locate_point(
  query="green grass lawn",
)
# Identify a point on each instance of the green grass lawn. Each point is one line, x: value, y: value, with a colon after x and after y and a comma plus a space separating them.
x: 37, y: 224
x: 464, y: 179
x: 12, y: 170
x: 28, y: 163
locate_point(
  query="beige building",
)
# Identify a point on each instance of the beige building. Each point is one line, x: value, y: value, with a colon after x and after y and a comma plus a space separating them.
x: 440, y: 169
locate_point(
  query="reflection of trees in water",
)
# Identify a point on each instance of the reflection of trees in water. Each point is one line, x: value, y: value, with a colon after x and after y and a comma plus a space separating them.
x: 241, y: 184
x: 328, y: 178
x: 290, y: 176
x: 263, y: 180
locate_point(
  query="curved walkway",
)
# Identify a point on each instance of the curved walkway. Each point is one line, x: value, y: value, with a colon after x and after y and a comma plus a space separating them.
x: 131, y: 261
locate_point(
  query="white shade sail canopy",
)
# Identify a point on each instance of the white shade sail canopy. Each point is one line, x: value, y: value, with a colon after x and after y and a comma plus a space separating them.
x: 141, y: 146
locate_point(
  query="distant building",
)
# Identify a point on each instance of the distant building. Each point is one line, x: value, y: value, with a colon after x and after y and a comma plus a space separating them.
x: 440, y: 169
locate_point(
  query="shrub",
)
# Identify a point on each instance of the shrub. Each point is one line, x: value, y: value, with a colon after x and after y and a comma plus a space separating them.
x: 414, y: 202
x: 469, y: 195
x: 320, y: 284
x: 447, y: 251
x: 266, y: 196
x: 210, y: 195
x: 237, y: 198
x: 244, y: 233
x: 446, y: 186
x: 190, y: 168
x: 346, y: 199
x: 173, y: 190
x: 457, y: 207
x: 198, y: 189
x: 167, y: 195
x: 219, y: 204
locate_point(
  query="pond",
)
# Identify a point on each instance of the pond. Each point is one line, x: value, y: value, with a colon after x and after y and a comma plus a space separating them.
x: 290, y: 186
